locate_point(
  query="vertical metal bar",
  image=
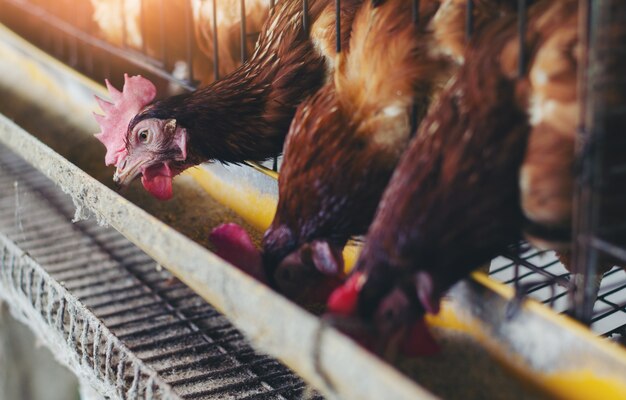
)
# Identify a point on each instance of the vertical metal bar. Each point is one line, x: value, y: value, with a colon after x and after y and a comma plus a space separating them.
x: 469, y: 19
x: 582, y: 253
x: 216, y: 60
x: 338, y: 25
x: 521, y: 30
x: 305, y: 16
x: 275, y: 164
x: 124, y: 27
x: 416, y: 11
x: 46, y: 36
x: 162, y: 33
x: 58, y: 34
x: 73, y: 43
x: 244, y: 38
x: 189, y: 28
x: 516, y: 284
x: 88, y: 48
x: 416, y: 18
x: 142, y: 22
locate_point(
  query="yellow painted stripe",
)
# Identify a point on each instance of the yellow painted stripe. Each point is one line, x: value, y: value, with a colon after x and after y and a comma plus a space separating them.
x: 257, y: 209
x: 581, y: 384
x: 350, y: 255
x: 558, y: 319
x: 584, y: 385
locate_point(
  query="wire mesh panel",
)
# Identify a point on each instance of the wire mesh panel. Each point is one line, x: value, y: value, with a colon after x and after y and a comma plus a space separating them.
x: 543, y: 277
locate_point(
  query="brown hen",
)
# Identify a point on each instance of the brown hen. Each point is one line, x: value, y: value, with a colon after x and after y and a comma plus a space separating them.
x: 547, y: 176
x: 242, y: 116
x: 345, y: 141
x: 454, y: 199
x: 148, y: 25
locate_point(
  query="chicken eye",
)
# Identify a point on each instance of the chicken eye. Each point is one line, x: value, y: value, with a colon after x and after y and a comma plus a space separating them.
x: 143, y: 136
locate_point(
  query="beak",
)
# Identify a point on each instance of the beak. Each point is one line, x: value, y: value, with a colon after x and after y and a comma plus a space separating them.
x: 126, y: 172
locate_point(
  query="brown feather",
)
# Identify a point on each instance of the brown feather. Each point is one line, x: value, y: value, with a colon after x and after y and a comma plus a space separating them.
x: 345, y: 141
x: 453, y: 202
x: 246, y: 114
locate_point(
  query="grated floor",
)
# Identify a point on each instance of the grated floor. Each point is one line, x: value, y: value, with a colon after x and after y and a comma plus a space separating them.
x: 170, y: 334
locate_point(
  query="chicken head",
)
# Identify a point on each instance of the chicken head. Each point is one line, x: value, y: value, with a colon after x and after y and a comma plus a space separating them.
x: 310, y: 273
x: 156, y: 150
x: 395, y: 325
x: 153, y: 148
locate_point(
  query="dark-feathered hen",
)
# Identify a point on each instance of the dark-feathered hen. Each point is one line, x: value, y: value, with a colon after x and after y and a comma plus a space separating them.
x: 453, y: 202
x: 345, y: 141
x: 547, y: 175
x: 243, y: 116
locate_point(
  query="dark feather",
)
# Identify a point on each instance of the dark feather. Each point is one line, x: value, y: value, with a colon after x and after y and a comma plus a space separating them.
x: 246, y: 115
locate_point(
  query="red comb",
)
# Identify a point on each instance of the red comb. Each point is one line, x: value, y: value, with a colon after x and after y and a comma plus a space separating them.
x: 343, y: 300
x: 136, y: 94
x: 233, y: 244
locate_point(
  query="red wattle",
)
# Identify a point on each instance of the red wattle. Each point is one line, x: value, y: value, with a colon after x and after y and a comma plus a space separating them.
x: 157, y: 180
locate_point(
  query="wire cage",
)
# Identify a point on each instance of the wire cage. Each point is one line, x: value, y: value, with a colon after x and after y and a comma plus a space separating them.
x: 183, y: 44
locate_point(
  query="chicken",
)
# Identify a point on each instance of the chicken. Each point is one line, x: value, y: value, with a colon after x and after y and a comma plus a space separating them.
x: 145, y: 25
x: 228, y: 31
x: 345, y: 141
x: 454, y: 199
x: 548, y: 172
x: 243, y: 116
x: 450, y: 28
x: 119, y: 21
x: 233, y: 244
x: 547, y: 176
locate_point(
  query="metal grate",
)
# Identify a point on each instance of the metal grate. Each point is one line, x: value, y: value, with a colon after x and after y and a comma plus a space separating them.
x: 538, y: 274
x: 55, y: 27
x: 127, y: 325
